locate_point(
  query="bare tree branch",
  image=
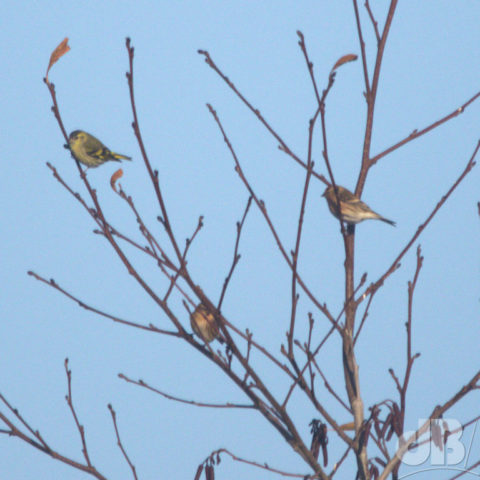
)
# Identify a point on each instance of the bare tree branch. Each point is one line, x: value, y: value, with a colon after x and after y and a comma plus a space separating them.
x: 283, y: 146
x: 437, y: 412
x: 36, y: 440
x: 236, y: 255
x: 119, y: 442
x: 418, y: 133
x: 52, y: 283
x: 396, y: 263
x: 143, y: 384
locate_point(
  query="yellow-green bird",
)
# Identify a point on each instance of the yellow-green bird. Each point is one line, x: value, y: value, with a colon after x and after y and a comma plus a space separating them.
x: 352, y: 210
x: 90, y: 151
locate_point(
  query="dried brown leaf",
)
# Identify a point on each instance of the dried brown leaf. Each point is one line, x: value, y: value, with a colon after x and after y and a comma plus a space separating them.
x: 61, y: 50
x: 348, y: 426
x: 118, y: 174
x: 345, y: 59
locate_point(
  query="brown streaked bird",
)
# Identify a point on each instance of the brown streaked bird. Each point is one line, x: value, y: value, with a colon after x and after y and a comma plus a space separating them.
x: 352, y: 210
x: 203, y: 323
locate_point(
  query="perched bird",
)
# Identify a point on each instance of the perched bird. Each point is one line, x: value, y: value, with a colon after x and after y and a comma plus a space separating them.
x: 89, y: 150
x: 352, y: 210
x: 203, y: 323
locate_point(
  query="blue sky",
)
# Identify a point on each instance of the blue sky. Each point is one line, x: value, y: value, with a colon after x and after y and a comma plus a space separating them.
x: 430, y: 69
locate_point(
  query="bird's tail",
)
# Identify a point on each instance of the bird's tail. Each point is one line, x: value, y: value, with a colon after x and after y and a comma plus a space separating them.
x: 118, y: 156
x: 386, y: 220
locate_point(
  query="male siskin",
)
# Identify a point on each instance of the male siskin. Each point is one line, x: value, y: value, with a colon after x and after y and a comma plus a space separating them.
x: 352, y: 210
x: 203, y: 323
x: 89, y: 150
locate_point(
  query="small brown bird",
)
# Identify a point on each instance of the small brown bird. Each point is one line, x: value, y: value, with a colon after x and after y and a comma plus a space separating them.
x: 352, y: 209
x: 203, y: 323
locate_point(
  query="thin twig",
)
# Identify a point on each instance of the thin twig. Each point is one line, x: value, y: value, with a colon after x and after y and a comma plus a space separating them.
x: 374, y: 22
x: 321, y: 109
x: 263, y: 466
x: 337, y: 464
x: 236, y: 255
x: 52, y: 283
x: 41, y: 445
x: 418, y: 133
x: 362, y: 48
x: 371, y: 96
x: 119, y: 442
x: 145, y: 231
x: 410, y: 357
x: 80, y: 428
x: 188, y: 243
x: 467, y: 470
x: 296, y: 252
x: 34, y: 433
x: 283, y: 146
x: 364, y: 318
x: 324, y: 378
x: 153, y: 175
x: 396, y: 263
x: 310, y: 165
x: 330, y: 389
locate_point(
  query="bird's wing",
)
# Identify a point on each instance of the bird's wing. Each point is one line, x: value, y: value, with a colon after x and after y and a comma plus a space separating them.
x: 93, y: 145
x: 353, y: 200
x: 98, y: 152
x: 345, y: 196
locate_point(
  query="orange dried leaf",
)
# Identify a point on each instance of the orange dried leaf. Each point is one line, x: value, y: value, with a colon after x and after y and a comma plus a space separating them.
x: 348, y: 426
x: 118, y: 174
x: 345, y: 59
x: 61, y: 50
